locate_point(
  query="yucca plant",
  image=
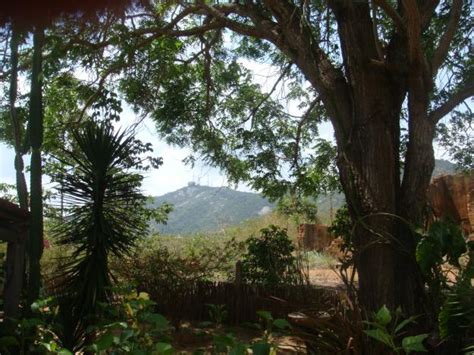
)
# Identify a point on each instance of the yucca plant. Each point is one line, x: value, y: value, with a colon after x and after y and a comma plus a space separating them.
x: 105, y: 216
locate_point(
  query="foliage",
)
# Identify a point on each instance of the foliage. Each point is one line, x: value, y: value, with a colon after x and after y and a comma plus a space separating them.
x: 439, y: 253
x: 37, y: 333
x: 7, y: 192
x: 342, y: 226
x: 269, y: 258
x: 389, y: 329
x: 229, y: 344
x: 217, y: 313
x: 443, y: 242
x: 456, y: 317
x: 457, y: 138
x: 104, y: 217
x: 130, y: 326
x: 337, y: 328
x: 176, y: 262
x: 301, y: 210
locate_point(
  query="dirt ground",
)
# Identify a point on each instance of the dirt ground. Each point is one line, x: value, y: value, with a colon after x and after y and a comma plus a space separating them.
x: 191, y: 337
x: 326, y: 277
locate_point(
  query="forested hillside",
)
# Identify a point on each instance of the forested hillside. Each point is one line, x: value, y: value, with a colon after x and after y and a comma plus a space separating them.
x: 203, y: 208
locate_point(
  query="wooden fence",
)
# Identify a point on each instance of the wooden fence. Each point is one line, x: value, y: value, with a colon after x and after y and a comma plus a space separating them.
x: 242, y: 301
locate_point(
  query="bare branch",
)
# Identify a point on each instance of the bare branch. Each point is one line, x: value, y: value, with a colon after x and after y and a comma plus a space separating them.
x: 392, y: 13
x: 267, y: 96
x: 445, y: 41
x: 100, y: 86
x: 457, y: 98
x: 220, y: 13
x: 299, y: 130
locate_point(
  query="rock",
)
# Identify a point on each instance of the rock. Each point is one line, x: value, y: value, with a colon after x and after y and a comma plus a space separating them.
x: 314, y: 236
x: 452, y: 197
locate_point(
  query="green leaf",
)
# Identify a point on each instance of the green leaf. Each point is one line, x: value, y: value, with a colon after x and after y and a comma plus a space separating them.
x: 157, y: 319
x: 64, y: 352
x: 428, y: 254
x: 404, y: 323
x: 265, y: 315
x: 226, y: 340
x: 381, y: 336
x: 164, y: 349
x: 238, y: 349
x: 105, y: 341
x: 414, y: 343
x: 8, y: 341
x: 383, y: 316
x: 281, y: 323
x: 261, y: 349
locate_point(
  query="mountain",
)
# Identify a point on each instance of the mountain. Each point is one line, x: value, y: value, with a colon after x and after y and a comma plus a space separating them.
x: 199, y: 208
x: 443, y: 167
x: 203, y: 208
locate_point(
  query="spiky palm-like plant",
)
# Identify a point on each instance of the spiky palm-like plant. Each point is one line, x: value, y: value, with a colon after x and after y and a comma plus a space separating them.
x: 105, y: 217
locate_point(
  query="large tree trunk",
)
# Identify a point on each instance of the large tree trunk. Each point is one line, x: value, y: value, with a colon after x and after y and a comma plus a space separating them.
x: 364, y: 102
x: 35, y: 242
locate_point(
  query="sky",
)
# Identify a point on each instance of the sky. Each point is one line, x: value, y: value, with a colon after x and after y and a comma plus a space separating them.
x: 173, y: 174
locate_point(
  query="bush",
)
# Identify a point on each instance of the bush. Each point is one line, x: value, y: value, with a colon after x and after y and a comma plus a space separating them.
x: 166, y: 264
x: 269, y: 259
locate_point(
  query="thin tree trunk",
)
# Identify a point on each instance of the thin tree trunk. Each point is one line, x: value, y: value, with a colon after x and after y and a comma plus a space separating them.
x: 35, y: 243
x: 22, y: 190
x: 15, y: 263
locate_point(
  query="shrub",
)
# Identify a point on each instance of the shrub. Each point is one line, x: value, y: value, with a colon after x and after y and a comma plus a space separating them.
x: 105, y: 216
x: 269, y: 259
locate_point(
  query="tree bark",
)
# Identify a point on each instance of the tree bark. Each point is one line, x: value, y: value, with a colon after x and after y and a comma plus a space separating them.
x: 35, y: 242
x: 15, y: 248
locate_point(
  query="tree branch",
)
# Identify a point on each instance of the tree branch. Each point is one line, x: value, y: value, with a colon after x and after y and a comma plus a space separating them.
x: 445, y: 41
x: 267, y: 96
x: 456, y: 99
x: 299, y: 130
x: 220, y: 13
x: 392, y: 13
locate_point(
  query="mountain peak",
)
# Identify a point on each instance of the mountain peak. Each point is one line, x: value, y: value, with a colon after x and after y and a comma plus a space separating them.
x: 199, y: 208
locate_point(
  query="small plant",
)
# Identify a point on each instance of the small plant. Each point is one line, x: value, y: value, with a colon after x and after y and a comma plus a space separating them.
x: 217, y: 313
x: 269, y: 259
x: 389, y: 331
x: 228, y: 343
x: 36, y: 334
x: 132, y: 327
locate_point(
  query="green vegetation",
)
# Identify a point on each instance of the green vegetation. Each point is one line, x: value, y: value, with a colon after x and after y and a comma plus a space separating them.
x: 100, y: 192
x: 198, y: 209
x: 389, y: 330
x: 269, y: 259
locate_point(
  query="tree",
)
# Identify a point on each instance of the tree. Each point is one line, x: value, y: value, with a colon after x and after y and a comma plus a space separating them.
x: 375, y: 69
x: 35, y: 127
x: 105, y: 216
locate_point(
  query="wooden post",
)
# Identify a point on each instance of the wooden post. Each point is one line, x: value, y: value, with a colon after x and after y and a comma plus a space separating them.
x: 14, y: 231
x: 14, y: 272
